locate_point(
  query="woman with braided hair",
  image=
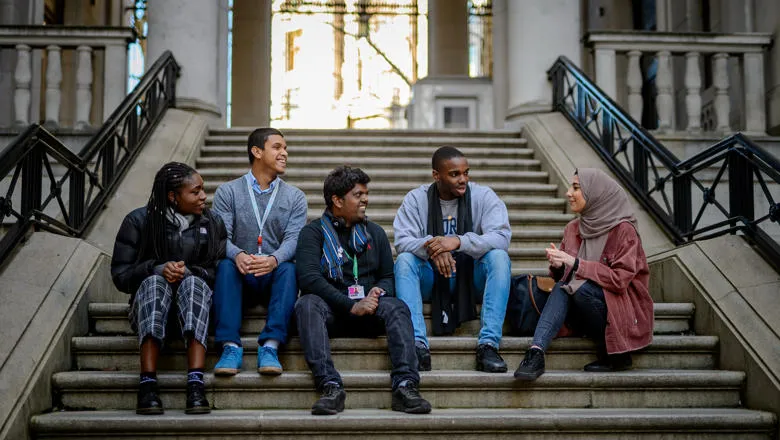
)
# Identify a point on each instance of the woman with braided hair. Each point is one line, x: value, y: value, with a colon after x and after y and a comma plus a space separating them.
x: 165, y: 257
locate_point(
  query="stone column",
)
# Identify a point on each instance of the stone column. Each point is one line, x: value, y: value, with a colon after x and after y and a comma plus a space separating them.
x: 189, y: 29
x: 558, y: 24
x: 251, y: 88
x: 448, y: 38
x: 500, y: 44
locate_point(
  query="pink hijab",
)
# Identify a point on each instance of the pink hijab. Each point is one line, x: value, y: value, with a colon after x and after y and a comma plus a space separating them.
x: 606, y: 206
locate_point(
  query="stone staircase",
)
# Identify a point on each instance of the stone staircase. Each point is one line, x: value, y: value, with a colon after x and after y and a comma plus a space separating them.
x: 676, y: 390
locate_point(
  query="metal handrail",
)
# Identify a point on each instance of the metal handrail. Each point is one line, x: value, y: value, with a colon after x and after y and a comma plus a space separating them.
x: 89, y: 177
x: 647, y: 168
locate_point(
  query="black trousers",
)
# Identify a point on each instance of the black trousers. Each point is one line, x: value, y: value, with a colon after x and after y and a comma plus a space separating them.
x: 317, y: 322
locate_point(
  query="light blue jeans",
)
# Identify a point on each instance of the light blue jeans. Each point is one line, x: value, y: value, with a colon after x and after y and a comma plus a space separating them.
x: 492, y: 275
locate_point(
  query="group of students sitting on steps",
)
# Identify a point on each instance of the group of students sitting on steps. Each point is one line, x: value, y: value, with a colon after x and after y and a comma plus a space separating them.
x: 452, y: 239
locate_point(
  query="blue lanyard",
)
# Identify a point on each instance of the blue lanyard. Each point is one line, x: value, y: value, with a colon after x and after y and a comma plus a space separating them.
x: 261, y: 221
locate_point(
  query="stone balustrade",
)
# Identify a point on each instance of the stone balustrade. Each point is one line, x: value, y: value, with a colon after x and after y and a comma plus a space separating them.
x: 745, y: 85
x: 31, y: 42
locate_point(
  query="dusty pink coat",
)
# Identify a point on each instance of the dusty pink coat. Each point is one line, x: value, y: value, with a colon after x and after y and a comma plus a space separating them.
x: 623, y: 273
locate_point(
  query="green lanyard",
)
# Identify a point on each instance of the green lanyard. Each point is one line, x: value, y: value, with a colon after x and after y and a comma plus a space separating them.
x: 354, y: 265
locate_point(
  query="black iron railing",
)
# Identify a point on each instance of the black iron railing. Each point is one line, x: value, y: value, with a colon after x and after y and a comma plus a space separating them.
x: 52, y: 188
x: 683, y: 196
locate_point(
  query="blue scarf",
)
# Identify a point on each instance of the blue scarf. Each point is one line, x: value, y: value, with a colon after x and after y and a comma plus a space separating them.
x: 333, y: 254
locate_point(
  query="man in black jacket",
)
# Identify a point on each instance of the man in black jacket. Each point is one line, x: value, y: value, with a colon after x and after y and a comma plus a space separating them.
x: 345, y: 272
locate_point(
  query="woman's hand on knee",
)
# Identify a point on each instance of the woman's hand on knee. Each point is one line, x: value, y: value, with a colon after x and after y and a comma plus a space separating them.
x: 174, y: 271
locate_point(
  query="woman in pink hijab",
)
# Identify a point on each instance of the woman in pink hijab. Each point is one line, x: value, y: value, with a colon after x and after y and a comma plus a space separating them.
x: 602, y: 279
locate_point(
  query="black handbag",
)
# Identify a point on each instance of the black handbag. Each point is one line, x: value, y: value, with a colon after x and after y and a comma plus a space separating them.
x: 527, y: 296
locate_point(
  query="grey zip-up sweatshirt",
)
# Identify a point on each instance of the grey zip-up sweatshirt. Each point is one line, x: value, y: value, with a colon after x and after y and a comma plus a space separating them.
x: 488, y: 213
x: 281, y: 229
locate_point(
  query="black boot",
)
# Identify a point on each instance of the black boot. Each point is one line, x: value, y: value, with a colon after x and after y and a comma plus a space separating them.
x: 407, y: 398
x: 149, y: 402
x: 331, y: 400
x: 611, y: 363
x: 196, y: 399
x: 489, y: 360
x: 532, y: 365
x: 423, y: 357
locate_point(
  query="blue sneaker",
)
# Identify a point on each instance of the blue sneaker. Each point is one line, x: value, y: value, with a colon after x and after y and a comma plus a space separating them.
x: 230, y: 362
x: 268, y: 361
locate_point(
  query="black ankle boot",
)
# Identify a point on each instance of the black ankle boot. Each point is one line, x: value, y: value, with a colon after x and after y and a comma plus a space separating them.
x: 196, y: 399
x: 532, y: 365
x: 488, y: 359
x: 610, y: 364
x: 149, y: 402
x: 407, y: 399
x: 331, y: 400
x: 423, y: 357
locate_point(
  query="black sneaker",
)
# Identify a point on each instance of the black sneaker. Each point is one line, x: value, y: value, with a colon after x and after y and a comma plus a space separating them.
x: 149, y: 402
x: 331, y: 400
x: 612, y: 363
x: 423, y: 357
x: 489, y: 360
x: 532, y: 365
x: 196, y: 399
x: 407, y: 398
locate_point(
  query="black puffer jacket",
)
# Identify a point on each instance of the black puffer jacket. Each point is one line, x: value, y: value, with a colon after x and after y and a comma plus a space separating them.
x: 128, y: 269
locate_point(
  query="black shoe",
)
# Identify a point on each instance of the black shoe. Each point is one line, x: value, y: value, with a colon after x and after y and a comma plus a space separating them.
x: 423, y: 357
x: 196, y: 399
x: 614, y: 362
x: 532, y: 365
x: 149, y: 402
x: 489, y: 360
x: 331, y: 400
x: 407, y: 398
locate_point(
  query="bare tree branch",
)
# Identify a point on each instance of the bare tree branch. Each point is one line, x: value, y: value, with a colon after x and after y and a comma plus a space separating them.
x: 379, y: 51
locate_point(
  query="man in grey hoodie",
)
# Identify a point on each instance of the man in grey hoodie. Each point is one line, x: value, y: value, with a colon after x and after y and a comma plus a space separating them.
x: 263, y: 216
x: 452, y: 238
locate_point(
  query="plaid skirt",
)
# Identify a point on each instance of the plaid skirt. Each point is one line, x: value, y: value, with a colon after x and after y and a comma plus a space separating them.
x: 152, y: 305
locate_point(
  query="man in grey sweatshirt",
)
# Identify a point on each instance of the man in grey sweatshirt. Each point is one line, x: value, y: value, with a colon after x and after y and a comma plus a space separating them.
x: 263, y: 216
x: 452, y: 238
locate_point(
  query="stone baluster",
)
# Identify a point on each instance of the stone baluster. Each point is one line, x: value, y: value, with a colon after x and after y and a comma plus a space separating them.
x: 606, y: 71
x: 693, y: 91
x: 53, y: 81
x: 721, y: 82
x: 23, y: 79
x: 753, y: 74
x: 83, y: 87
x: 114, y: 78
x: 634, y: 83
x: 663, y: 82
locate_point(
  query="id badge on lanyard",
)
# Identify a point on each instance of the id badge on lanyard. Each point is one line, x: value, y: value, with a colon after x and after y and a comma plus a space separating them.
x: 355, y: 291
x: 261, y: 221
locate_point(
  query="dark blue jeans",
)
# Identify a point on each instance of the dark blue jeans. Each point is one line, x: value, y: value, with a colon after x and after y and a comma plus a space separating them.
x: 279, y: 289
x: 585, y: 311
x: 317, y: 322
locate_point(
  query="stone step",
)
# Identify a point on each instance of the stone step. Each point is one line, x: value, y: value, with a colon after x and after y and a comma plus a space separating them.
x: 444, y: 389
x: 300, y: 153
x: 448, y: 353
x: 374, y: 133
x: 448, y: 424
x: 316, y: 202
x: 517, y: 218
x: 111, y: 319
x: 373, y: 162
x: 524, y: 237
x: 399, y: 189
x: 414, y: 176
x: 412, y: 141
